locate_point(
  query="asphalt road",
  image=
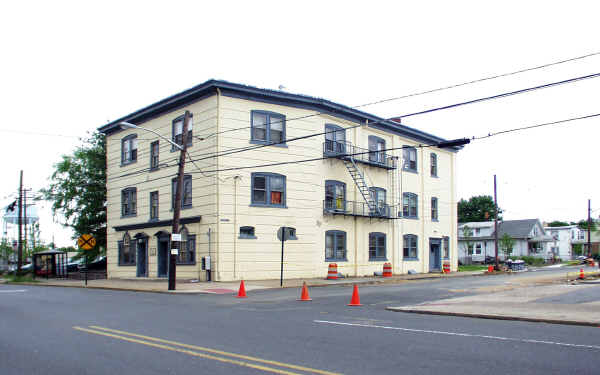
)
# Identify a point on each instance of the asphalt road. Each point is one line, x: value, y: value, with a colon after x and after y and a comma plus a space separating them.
x: 48, y: 330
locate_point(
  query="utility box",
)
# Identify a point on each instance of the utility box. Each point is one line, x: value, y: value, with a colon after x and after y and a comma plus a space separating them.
x: 206, y: 263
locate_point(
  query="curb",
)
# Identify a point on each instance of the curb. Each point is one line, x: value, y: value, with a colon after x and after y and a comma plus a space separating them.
x: 497, y: 317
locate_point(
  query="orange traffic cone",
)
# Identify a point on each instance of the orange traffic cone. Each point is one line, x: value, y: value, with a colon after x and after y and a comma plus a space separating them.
x: 355, y: 301
x: 304, y: 296
x: 242, y: 291
x: 581, y: 274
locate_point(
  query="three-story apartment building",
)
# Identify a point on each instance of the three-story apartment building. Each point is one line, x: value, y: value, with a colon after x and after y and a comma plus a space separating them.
x: 359, y: 190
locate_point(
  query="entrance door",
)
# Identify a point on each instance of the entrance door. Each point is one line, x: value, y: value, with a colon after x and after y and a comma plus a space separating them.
x: 435, y: 254
x: 163, y: 258
x: 142, y: 258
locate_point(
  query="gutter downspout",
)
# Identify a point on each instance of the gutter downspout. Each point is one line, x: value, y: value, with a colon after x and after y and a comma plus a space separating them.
x: 235, y: 178
x: 425, y: 246
x: 218, y: 248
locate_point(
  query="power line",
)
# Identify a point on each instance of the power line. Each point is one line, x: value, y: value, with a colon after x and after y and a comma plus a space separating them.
x: 481, y: 79
x: 367, y: 152
x: 537, y: 125
x: 432, y: 90
x: 398, y: 148
x: 544, y: 86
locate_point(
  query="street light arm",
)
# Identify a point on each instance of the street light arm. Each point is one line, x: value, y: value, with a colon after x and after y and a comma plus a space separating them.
x: 133, y: 126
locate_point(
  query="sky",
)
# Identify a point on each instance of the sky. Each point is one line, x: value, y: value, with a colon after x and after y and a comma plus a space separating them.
x: 68, y: 67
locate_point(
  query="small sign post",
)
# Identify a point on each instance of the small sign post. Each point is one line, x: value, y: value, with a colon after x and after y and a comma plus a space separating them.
x: 86, y: 242
x: 284, y: 234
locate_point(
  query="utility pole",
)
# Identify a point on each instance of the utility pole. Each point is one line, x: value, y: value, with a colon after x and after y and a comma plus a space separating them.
x: 496, y: 226
x: 25, y: 242
x: 589, y: 241
x: 20, y: 222
x: 175, y: 245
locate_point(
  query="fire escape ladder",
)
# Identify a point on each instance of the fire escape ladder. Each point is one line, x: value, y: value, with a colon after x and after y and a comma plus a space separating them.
x: 361, y: 183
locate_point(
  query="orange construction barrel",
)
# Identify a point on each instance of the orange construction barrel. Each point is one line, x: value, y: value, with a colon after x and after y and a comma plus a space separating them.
x: 446, y: 267
x: 332, y: 273
x: 387, y: 270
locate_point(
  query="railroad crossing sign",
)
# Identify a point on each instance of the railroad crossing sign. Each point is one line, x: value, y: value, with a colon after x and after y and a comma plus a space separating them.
x: 86, y: 242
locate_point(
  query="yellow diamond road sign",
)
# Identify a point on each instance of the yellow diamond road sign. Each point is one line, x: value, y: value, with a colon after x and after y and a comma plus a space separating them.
x: 86, y: 242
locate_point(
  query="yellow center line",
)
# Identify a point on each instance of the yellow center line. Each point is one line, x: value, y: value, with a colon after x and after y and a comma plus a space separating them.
x: 189, y: 352
x: 209, y: 350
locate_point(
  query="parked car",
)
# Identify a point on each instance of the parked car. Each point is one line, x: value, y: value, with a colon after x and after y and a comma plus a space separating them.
x: 98, y: 264
x: 73, y: 265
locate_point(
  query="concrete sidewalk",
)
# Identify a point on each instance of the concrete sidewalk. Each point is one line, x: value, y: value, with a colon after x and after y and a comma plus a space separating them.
x: 576, y: 303
x: 190, y: 287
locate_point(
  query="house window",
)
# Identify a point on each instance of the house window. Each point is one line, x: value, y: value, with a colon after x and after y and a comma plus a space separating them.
x: 247, y: 232
x: 129, y: 149
x: 268, y: 189
x: 410, y: 246
x: 335, y: 195
x: 376, y: 145
x: 154, y: 155
x: 478, y: 248
x: 186, y: 193
x: 477, y: 231
x: 335, y: 139
x: 409, y: 154
x: 177, y: 131
x: 446, y: 248
x: 267, y: 127
x: 154, y: 205
x: 434, y: 208
x: 409, y: 205
x: 128, y: 202
x: 335, y: 245
x: 187, y: 250
x: 379, y: 194
x: 126, y: 253
x: 377, y: 246
x: 434, y: 171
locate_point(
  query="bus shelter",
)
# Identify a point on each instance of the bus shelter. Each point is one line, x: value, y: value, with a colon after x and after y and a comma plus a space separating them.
x: 50, y: 264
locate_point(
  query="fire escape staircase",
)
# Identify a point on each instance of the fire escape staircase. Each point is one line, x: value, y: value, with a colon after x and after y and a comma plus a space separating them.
x: 361, y: 183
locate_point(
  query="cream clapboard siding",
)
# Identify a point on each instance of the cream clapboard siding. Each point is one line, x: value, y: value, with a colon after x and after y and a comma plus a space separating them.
x: 203, y: 188
x: 305, y: 190
x: 223, y: 198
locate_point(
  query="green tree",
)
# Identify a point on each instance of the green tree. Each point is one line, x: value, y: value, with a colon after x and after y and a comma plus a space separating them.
x: 478, y: 208
x: 583, y: 224
x: 506, y: 243
x: 577, y: 249
x: 78, y: 191
x: 557, y: 223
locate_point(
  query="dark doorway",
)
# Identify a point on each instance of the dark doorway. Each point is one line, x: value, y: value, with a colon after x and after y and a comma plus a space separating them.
x: 142, y: 257
x: 435, y: 254
x: 163, y: 257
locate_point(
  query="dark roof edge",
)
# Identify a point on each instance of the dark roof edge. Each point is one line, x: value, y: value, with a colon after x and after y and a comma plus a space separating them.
x: 209, y: 88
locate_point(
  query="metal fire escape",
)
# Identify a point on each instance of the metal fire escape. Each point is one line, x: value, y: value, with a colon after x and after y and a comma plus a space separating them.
x: 361, y: 183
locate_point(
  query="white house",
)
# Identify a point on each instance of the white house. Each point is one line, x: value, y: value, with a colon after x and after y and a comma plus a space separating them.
x: 563, y: 239
x: 529, y: 236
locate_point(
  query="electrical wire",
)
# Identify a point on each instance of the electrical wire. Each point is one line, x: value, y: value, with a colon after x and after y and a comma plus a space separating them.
x: 537, y: 126
x: 503, y: 95
x: 433, y: 90
x: 482, y: 79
